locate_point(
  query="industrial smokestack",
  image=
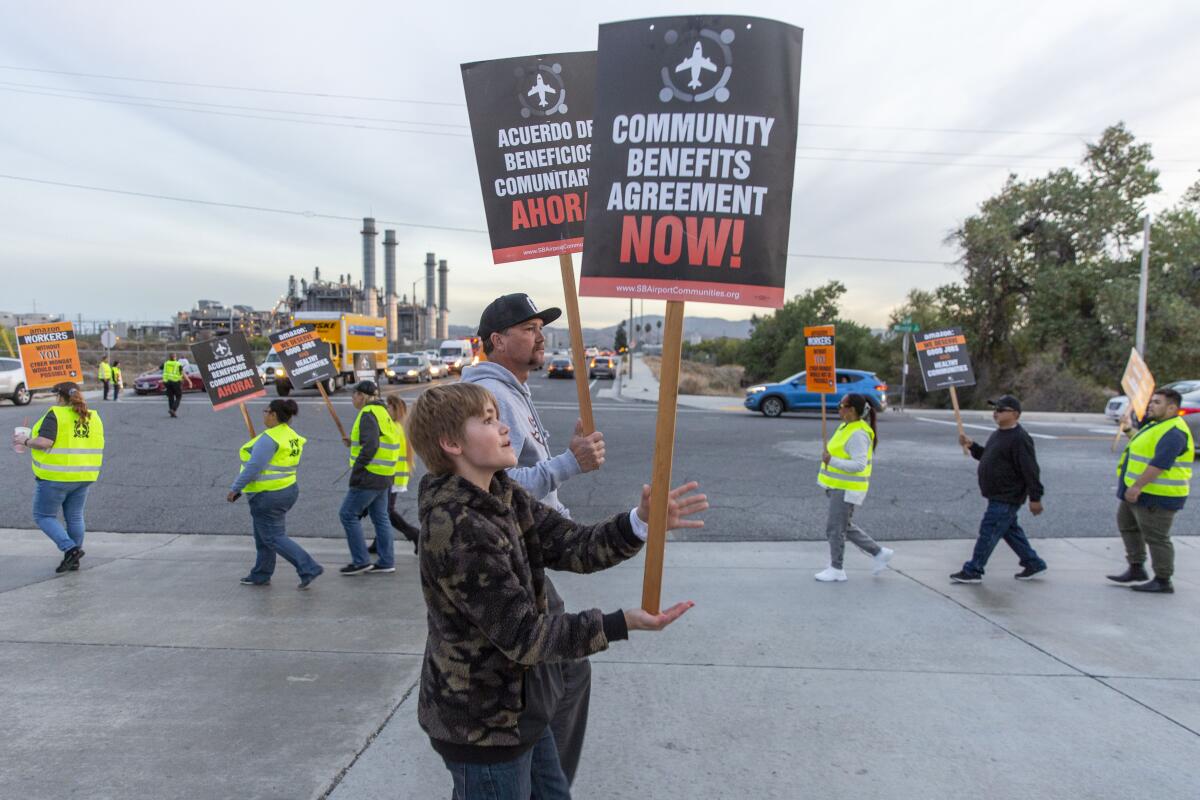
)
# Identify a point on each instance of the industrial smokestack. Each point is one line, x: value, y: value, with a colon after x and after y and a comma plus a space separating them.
x: 443, y: 309
x: 368, y: 239
x: 389, y: 284
x: 430, y: 311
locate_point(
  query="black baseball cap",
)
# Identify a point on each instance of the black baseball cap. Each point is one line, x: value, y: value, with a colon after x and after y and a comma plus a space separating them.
x: 366, y: 387
x: 512, y: 309
x: 1006, y: 401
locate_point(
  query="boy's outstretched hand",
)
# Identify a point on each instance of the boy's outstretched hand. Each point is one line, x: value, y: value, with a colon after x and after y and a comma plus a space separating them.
x: 680, y: 504
x: 637, y: 619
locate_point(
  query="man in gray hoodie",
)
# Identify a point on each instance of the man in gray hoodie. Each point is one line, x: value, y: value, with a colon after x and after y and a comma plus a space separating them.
x: 511, y: 330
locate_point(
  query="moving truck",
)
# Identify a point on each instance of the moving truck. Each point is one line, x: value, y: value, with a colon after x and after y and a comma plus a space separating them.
x: 358, y: 344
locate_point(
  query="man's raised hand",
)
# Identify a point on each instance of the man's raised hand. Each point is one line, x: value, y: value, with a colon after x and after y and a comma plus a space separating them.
x: 588, y: 450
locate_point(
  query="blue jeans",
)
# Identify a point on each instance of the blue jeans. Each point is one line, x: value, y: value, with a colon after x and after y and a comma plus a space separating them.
x: 512, y: 780
x: 1000, y: 522
x: 376, y: 503
x: 48, y: 498
x: 267, y: 510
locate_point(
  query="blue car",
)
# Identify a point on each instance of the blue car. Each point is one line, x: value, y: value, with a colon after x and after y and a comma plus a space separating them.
x: 772, y: 399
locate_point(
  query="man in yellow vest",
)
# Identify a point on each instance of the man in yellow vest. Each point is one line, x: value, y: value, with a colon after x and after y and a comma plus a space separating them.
x: 172, y: 377
x: 104, y: 374
x: 1153, y: 478
x: 374, y: 449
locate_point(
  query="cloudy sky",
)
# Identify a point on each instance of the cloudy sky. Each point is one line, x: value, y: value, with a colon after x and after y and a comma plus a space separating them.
x: 910, y: 114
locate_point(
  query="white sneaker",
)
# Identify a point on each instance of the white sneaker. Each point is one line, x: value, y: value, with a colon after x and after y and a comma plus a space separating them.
x: 881, y: 560
x: 830, y: 574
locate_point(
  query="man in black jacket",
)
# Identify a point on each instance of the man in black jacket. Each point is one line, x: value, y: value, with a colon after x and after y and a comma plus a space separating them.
x: 1008, y: 473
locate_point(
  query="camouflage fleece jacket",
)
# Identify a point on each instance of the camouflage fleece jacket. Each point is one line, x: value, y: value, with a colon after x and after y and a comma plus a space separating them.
x: 483, y: 556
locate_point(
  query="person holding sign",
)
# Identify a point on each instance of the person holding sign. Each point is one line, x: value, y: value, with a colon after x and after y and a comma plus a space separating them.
x: 485, y: 544
x: 846, y: 475
x: 374, y: 448
x: 104, y: 374
x: 67, y: 451
x: 511, y: 330
x: 172, y: 378
x: 268, y: 476
x: 1008, y: 473
x: 1153, y: 481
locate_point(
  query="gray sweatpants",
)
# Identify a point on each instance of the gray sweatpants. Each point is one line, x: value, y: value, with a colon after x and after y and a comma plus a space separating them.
x: 840, y: 527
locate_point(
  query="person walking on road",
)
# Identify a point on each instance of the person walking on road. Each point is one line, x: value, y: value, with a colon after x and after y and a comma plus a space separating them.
x: 374, y: 448
x: 67, y: 450
x: 397, y: 409
x: 846, y: 466
x: 118, y: 382
x: 268, y: 476
x: 172, y: 379
x: 104, y: 374
x: 1008, y: 474
x: 511, y: 330
x: 1153, y: 480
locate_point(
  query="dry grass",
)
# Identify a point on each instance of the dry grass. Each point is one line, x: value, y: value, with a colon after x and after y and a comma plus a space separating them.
x: 696, y: 378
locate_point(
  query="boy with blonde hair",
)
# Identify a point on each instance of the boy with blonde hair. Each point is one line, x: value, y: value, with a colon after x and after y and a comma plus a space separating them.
x: 485, y: 544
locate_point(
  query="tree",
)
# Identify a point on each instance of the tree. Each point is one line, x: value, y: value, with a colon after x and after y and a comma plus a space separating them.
x: 620, y: 342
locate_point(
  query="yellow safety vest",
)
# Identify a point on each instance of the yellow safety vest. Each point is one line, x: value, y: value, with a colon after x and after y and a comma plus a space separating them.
x: 172, y: 371
x: 78, y: 450
x: 116, y: 374
x: 833, y: 478
x: 105, y: 372
x: 280, y: 473
x: 1172, y: 482
x: 402, y: 458
x: 384, y: 462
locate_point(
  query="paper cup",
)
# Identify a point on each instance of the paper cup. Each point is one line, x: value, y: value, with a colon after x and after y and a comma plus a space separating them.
x: 20, y: 434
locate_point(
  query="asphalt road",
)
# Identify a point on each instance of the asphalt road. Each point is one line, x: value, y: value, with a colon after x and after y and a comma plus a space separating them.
x: 171, y: 475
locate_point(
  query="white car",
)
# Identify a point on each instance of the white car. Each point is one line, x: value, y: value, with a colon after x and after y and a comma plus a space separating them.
x: 12, y: 382
x: 1116, y: 408
x: 271, y: 368
x: 436, y: 369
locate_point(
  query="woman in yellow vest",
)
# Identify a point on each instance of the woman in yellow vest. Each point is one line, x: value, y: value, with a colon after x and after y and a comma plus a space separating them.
x: 846, y: 475
x: 118, y: 382
x: 67, y: 450
x: 104, y: 374
x: 397, y: 409
x: 269, y: 464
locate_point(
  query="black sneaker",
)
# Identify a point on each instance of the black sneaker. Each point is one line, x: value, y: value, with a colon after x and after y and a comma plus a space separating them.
x: 1029, y: 572
x: 356, y: 569
x: 248, y: 581
x: 71, y: 559
x: 962, y: 576
x: 1135, y: 573
x: 376, y: 568
x: 1156, y: 585
x: 307, y: 580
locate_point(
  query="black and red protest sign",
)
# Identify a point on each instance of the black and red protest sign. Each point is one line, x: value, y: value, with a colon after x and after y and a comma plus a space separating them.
x: 944, y: 360
x: 228, y: 368
x: 693, y: 158
x: 305, y: 356
x: 531, y: 120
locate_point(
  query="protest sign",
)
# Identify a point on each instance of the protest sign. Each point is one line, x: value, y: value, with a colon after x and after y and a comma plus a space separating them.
x: 307, y: 360
x: 1138, y: 384
x: 229, y: 372
x: 692, y: 163
x: 531, y: 122
x: 49, y: 354
x: 945, y: 364
x: 820, y: 365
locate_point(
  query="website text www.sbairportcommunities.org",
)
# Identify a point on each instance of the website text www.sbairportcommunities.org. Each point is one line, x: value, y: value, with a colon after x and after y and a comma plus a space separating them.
x: 689, y: 291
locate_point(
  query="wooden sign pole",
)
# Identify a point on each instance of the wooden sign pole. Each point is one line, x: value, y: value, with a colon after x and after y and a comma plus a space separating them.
x: 246, y: 416
x: 958, y: 417
x: 664, y: 452
x: 329, y: 405
x: 578, y: 356
x: 824, y: 434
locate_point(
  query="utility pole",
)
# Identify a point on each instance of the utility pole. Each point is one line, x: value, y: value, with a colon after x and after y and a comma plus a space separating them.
x: 629, y: 340
x: 1143, y: 289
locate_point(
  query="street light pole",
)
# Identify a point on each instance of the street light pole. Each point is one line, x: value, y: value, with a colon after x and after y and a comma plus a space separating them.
x: 1143, y: 289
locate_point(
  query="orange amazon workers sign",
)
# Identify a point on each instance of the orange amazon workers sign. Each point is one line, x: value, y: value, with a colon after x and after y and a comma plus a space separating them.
x: 820, y: 360
x: 49, y: 354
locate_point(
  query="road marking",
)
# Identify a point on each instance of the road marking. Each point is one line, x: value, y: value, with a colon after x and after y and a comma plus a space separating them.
x: 981, y: 427
x: 592, y: 385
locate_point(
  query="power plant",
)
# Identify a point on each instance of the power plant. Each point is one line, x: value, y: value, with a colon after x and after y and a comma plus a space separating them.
x: 408, y: 322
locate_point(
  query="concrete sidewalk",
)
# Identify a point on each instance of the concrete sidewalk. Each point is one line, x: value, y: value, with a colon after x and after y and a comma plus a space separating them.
x: 152, y: 673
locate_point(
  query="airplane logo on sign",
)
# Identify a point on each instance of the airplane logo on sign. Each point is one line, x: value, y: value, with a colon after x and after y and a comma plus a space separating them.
x: 695, y: 63
x: 541, y: 90
x: 222, y: 349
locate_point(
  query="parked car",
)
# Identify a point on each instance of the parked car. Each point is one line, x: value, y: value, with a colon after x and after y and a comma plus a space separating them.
x: 408, y: 368
x: 150, y: 382
x: 772, y: 399
x: 12, y: 382
x: 603, y: 367
x: 560, y: 368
